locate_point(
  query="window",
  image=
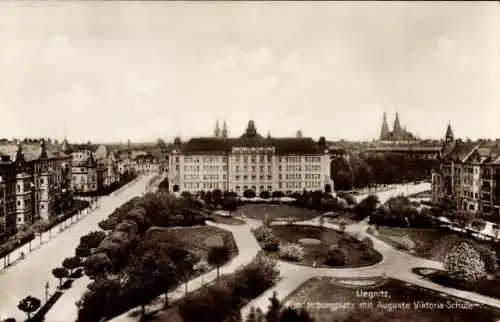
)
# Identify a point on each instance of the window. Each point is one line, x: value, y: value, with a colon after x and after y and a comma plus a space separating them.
x: 269, y: 188
x: 19, y: 202
x: 280, y: 176
x: 245, y: 188
x: 18, y: 188
x: 254, y: 188
x: 237, y: 188
x: 261, y: 188
x: 269, y: 158
x: 269, y: 177
x: 253, y: 177
x: 237, y: 177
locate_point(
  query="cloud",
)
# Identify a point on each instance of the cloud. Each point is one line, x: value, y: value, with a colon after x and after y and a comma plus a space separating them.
x: 58, y: 48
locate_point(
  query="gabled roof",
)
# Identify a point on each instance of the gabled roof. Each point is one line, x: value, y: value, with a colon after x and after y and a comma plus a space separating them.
x: 31, y: 151
x: 461, y: 151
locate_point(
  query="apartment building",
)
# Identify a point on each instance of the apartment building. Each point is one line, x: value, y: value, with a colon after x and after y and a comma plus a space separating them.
x: 468, y: 176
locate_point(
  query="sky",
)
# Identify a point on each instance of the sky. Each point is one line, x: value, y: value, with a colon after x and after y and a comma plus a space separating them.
x: 113, y: 71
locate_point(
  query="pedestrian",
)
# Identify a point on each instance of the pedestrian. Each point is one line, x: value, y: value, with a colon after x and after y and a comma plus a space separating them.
x: 22, y: 255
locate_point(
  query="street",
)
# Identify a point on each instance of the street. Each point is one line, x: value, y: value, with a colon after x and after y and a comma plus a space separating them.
x: 29, y: 276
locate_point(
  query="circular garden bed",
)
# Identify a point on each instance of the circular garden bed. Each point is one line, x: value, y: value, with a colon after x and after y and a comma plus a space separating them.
x: 317, y: 244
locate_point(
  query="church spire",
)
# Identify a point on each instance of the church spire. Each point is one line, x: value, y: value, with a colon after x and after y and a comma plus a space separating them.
x: 384, y: 132
x: 449, y: 133
x: 224, y: 130
x: 217, y: 129
x: 396, y: 130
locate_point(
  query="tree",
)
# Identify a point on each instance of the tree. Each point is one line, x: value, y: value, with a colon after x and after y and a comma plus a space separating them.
x: 29, y: 305
x: 107, y: 224
x: 82, y: 251
x: 217, y: 256
x: 39, y: 227
x: 104, y: 298
x: 464, y: 264
x: 217, y: 196
x: 336, y: 256
x: 274, y: 308
x: 249, y: 194
x: 92, y: 239
x: 230, y: 204
x: 278, y: 194
x: 202, y: 267
x: 71, y: 263
x: 265, y: 194
x: 366, y: 207
x: 290, y: 314
x: 60, y: 273
x: 97, y: 264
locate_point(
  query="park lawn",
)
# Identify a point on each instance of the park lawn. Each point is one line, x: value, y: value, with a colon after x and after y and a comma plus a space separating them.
x: 317, y: 253
x: 429, y: 243
x: 348, y: 217
x: 258, y: 211
x: 227, y: 220
x: 423, y: 194
x: 197, y: 240
x: 327, y: 291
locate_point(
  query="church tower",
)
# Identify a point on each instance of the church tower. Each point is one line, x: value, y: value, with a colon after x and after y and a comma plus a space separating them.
x: 224, y: 130
x: 384, y: 133
x: 449, y: 134
x: 217, y: 129
x: 396, y: 130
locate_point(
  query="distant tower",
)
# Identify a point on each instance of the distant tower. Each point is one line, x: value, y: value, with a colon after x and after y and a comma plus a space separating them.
x: 217, y: 129
x: 396, y: 130
x: 449, y: 134
x: 384, y: 133
x: 299, y: 134
x: 224, y: 130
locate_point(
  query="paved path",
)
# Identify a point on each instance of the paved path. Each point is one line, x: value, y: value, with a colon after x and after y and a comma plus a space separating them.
x: 395, y: 264
x: 28, y: 276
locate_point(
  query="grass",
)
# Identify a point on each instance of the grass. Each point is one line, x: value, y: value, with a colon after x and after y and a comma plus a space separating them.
x: 258, y: 211
x: 227, y: 220
x: 197, y: 240
x: 329, y: 291
x: 485, y: 286
x: 348, y: 217
x: 423, y: 194
x: 317, y: 253
x: 429, y: 243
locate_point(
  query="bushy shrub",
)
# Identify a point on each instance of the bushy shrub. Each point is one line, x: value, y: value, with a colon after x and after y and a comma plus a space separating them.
x: 292, y: 251
x: 464, y: 264
x: 263, y: 233
x: 489, y: 257
x: 271, y: 243
x: 336, y: 256
x: 407, y: 244
x: 268, y: 220
x: 372, y: 230
x: 366, y: 244
x: 265, y: 194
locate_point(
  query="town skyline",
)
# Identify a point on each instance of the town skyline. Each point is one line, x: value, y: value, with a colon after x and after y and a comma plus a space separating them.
x: 109, y: 72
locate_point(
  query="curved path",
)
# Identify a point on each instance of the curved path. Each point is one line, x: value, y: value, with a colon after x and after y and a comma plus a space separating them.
x: 395, y: 264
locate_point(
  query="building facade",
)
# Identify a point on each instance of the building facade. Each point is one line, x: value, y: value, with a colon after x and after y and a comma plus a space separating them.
x: 36, y: 174
x: 468, y: 176
x: 249, y: 162
x: 88, y: 174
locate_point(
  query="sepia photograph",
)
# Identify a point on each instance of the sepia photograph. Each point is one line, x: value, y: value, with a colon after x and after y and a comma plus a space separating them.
x: 249, y: 161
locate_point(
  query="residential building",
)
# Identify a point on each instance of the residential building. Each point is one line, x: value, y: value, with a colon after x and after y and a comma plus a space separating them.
x: 88, y: 174
x: 468, y: 175
x: 250, y: 161
x: 106, y: 159
x: 145, y: 163
x: 35, y: 176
